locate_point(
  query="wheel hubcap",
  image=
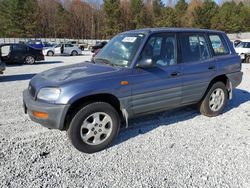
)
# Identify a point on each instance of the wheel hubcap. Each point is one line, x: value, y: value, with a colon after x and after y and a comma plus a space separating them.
x: 216, y: 99
x: 29, y: 60
x: 96, y: 128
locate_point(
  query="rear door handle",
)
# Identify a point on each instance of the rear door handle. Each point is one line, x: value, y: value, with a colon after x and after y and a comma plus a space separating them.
x: 211, y: 67
x: 175, y: 73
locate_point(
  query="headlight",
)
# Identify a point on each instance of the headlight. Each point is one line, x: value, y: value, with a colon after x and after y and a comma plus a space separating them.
x: 49, y: 94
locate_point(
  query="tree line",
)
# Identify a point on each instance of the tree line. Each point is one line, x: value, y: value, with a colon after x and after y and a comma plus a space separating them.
x: 102, y: 20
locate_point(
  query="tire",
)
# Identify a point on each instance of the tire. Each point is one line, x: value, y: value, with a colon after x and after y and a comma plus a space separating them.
x: 50, y: 53
x: 215, y: 100
x: 74, y: 53
x: 29, y: 60
x: 88, y: 131
x: 248, y: 59
x: 82, y: 48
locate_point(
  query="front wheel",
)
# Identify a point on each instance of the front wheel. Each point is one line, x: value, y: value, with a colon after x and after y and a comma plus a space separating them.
x: 94, y: 127
x: 50, y: 53
x: 215, y: 100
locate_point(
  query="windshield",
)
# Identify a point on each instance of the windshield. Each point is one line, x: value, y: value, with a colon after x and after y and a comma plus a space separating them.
x: 121, y: 49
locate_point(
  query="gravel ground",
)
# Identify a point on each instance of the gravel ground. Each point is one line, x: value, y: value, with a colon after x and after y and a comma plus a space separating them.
x: 177, y: 148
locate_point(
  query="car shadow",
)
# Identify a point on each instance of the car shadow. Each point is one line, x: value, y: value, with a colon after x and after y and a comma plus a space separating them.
x: 47, y: 62
x: 18, y: 77
x: 36, y: 63
x: 146, y: 124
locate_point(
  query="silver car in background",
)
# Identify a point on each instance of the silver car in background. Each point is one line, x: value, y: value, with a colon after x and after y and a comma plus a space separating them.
x: 59, y: 49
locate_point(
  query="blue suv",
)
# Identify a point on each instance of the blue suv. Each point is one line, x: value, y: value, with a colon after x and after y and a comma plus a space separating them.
x: 137, y: 73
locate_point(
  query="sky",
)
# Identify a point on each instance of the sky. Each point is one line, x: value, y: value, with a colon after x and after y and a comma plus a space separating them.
x: 165, y: 1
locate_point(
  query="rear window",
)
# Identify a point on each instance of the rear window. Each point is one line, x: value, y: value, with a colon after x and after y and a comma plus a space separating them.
x: 5, y: 50
x: 218, y: 44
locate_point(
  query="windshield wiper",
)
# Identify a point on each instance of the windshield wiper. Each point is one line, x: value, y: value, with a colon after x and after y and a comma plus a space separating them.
x: 103, y: 61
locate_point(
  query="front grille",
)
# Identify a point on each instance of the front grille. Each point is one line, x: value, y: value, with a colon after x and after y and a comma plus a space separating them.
x: 32, y: 90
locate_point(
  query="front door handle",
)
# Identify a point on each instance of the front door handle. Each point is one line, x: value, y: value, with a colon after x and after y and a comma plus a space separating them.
x: 175, y: 73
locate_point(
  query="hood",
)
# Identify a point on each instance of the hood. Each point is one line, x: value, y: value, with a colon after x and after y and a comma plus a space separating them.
x: 65, y: 74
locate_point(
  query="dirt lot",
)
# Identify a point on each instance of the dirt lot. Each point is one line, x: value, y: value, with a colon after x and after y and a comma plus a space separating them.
x: 177, y: 148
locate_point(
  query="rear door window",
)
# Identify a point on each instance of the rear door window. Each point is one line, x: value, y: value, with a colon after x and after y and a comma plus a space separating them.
x: 218, y: 44
x: 194, y: 48
x: 19, y: 48
x: 69, y: 45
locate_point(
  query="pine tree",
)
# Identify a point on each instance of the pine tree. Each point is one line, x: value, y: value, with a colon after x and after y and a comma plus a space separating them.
x: 203, y: 14
x: 112, y: 17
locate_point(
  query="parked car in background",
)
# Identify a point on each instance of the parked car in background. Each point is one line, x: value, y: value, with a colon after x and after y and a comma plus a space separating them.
x: 20, y: 53
x: 68, y: 49
x: 79, y: 44
x: 2, y: 65
x: 243, y: 49
x: 35, y: 44
x: 48, y: 44
x: 137, y: 73
x: 99, y: 45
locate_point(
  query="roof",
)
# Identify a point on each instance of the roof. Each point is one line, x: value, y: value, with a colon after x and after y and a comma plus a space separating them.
x: 168, y: 29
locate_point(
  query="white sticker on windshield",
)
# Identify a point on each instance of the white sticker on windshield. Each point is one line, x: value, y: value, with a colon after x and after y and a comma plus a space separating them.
x: 129, y: 39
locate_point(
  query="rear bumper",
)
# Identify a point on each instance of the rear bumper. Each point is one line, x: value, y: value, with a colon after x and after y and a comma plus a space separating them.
x: 235, y: 78
x: 56, y: 113
x: 2, y: 67
x: 39, y: 58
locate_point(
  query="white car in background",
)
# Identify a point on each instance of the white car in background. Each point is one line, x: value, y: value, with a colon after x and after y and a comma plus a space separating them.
x: 67, y: 49
x: 243, y: 49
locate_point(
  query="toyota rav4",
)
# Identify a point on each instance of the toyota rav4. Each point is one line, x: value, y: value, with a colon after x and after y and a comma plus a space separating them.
x: 137, y: 73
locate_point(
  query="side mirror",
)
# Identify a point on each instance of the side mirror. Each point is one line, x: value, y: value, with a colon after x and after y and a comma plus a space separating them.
x: 145, y: 63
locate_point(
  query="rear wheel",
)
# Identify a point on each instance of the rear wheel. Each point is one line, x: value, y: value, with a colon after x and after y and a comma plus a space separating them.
x: 50, y: 53
x: 215, y: 100
x: 94, y: 127
x: 29, y: 60
x: 74, y: 53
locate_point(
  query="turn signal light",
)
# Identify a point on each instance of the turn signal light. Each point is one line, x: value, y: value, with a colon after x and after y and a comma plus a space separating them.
x: 42, y: 115
x: 124, y: 83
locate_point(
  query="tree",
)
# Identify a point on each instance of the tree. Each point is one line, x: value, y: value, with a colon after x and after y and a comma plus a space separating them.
x: 157, y: 8
x: 112, y: 12
x: 181, y: 9
x: 229, y: 18
x: 168, y: 18
x: 52, y: 20
x: 138, y: 12
x: 19, y: 17
x: 203, y: 14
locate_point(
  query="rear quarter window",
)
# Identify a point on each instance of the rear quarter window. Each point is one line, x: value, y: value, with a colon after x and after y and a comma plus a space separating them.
x: 218, y: 45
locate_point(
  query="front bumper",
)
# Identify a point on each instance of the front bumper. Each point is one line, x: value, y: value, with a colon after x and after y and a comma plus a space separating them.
x: 56, y: 112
